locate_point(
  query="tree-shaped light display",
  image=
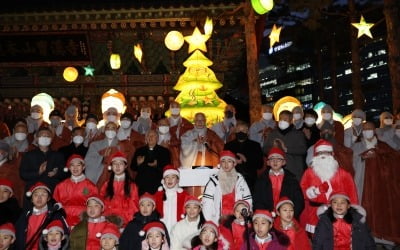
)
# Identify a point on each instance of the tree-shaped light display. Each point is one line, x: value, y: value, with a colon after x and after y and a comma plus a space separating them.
x: 198, y: 83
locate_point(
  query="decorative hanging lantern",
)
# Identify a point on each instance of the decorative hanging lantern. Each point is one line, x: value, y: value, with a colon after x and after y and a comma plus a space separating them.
x: 115, y: 61
x: 262, y: 6
x: 208, y: 26
x: 174, y: 40
x: 45, y: 101
x: 285, y: 103
x: 137, y: 52
x: 70, y: 74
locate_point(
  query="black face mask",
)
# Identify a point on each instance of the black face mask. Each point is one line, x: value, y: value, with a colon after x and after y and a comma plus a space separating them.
x: 228, y: 114
x: 241, y: 136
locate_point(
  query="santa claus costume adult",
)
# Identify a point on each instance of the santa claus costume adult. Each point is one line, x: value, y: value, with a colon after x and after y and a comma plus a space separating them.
x: 72, y: 193
x: 170, y: 198
x: 323, y: 177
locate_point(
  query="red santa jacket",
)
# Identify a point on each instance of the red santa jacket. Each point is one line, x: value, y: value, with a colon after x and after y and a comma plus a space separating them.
x: 120, y: 204
x: 73, y: 195
x: 341, y: 181
x: 181, y: 197
x: 298, y: 237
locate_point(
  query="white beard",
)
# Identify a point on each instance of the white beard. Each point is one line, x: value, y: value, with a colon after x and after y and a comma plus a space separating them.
x: 325, y: 166
x: 227, y: 180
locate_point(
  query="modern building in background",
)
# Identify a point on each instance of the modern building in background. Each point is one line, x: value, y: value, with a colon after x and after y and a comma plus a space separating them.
x: 300, y: 80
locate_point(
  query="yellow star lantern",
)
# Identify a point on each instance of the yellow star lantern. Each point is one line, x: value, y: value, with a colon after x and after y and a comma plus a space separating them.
x: 197, y: 41
x: 274, y: 36
x: 137, y: 51
x: 363, y: 27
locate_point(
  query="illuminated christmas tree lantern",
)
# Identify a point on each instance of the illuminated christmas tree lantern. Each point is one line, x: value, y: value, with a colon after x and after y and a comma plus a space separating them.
x: 174, y: 40
x: 262, y: 6
x: 70, y: 74
x: 115, y: 61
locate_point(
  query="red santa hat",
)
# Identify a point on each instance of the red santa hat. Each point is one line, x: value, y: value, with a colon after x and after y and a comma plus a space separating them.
x: 118, y: 156
x: 211, y: 225
x: 276, y: 152
x: 55, y: 225
x: 97, y: 199
x: 339, y: 194
x: 153, y: 226
x: 8, y: 229
x: 283, y: 200
x: 227, y: 154
x: 73, y: 158
x: 147, y: 197
x: 36, y: 186
x: 190, y: 200
x: 241, y: 202
x: 7, y: 184
x: 111, y: 231
x: 170, y: 169
x: 262, y: 213
x: 322, y: 146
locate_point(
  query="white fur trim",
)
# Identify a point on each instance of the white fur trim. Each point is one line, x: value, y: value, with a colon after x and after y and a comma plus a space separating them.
x: 160, y: 188
x: 179, y: 190
x: 182, y: 216
x: 65, y: 170
x: 321, y: 209
x: 361, y: 211
x: 29, y: 193
x: 273, y: 214
x: 45, y: 231
x: 225, y: 242
x: 324, y: 148
x: 109, y: 168
x: 171, y: 171
x: 98, y: 235
x: 141, y: 233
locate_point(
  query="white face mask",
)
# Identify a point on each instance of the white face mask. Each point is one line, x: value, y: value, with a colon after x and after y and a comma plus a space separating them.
x: 112, y: 118
x: 388, y: 121
x: 35, y: 115
x: 267, y: 116
x: 326, y: 116
x: 20, y: 136
x: 357, y: 121
x: 163, y: 129
x: 44, y: 141
x: 397, y: 132
x: 91, y: 125
x: 368, y: 134
x: 283, y: 125
x: 77, y: 139
x: 110, y: 134
x: 125, y: 124
x: 145, y: 115
x: 309, y: 121
x: 175, y: 111
x: 296, y: 116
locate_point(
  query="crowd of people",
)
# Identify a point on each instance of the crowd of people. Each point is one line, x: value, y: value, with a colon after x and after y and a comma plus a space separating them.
x: 113, y: 182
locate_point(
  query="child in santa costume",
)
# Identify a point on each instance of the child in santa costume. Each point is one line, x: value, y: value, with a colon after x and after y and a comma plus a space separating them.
x: 130, y: 238
x: 7, y: 236
x: 31, y: 223
x: 170, y: 198
x: 73, y: 192
x: 276, y: 182
x: 320, y: 180
x: 286, y: 223
x: 265, y: 237
x: 54, y: 237
x: 120, y: 192
x: 234, y: 227
x: 86, y: 234
x: 110, y: 237
x: 210, y: 238
x: 155, y: 238
x: 9, y: 208
x: 342, y: 226
x: 185, y: 229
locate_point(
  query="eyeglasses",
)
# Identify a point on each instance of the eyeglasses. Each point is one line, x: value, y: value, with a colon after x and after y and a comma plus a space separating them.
x: 276, y: 159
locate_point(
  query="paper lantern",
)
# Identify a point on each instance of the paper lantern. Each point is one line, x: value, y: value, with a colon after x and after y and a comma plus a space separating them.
x: 45, y: 101
x: 174, y: 40
x: 262, y: 6
x: 115, y: 61
x: 285, y: 103
x: 208, y: 26
x: 70, y: 74
x: 137, y: 52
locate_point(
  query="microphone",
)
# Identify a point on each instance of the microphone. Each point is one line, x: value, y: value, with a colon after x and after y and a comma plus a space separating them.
x: 244, y: 212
